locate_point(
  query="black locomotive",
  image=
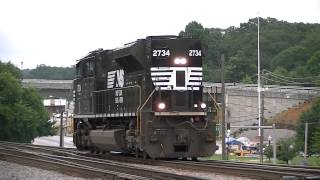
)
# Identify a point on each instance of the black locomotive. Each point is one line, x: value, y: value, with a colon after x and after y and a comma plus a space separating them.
x: 145, y: 98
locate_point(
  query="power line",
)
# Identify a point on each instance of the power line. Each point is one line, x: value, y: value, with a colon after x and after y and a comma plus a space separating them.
x: 288, y: 83
x: 308, y: 77
x: 290, y: 80
x: 283, y: 79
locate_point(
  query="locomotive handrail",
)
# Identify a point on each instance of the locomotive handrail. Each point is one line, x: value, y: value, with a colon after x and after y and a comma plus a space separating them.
x: 137, y: 111
x: 140, y: 110
x: 217, y: 106
x: 214, y: 101
x: 126, y: 87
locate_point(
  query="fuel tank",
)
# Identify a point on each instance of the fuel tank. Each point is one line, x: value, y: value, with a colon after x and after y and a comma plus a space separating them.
x: 108, y: 140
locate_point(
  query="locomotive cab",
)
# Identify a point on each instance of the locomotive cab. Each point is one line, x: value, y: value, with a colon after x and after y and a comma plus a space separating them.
x: 182, y: 125
x: 176, y: 73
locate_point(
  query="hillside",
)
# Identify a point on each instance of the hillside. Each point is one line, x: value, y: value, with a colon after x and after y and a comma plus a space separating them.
x: 47, y: 72
x: 289, y: 119
x: 289, y: 49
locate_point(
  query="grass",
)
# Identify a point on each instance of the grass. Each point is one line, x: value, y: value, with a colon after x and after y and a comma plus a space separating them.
x: 311, y: 161
x: 233, y: 158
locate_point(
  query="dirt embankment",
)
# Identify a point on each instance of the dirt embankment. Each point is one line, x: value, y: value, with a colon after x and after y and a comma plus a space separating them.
x: 289, y: 118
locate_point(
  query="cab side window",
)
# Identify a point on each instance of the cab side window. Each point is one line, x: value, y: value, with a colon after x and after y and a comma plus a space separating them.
x: 78, y: 71
x: 90, y: 68
x: 85, y: 69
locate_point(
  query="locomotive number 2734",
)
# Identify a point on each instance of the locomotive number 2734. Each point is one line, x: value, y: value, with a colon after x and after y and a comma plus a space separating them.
x: 193, y: 52
x: 161, y: 52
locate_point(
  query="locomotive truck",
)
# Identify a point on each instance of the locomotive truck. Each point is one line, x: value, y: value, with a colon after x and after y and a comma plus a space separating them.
x: 145, y: 98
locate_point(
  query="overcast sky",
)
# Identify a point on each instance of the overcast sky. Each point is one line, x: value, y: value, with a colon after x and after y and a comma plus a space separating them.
x: 58, y: 32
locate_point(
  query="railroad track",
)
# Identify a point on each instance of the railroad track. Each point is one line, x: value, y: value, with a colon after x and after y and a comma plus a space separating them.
x: 77, y: 165
x: 259, y: 171
x: 251, y: 170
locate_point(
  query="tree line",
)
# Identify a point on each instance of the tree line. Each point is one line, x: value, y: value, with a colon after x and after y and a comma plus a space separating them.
x: 47, y: 72
x: 289, y: 49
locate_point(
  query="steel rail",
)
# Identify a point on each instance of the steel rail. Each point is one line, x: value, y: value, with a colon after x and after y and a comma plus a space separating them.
x: 75, y: 159
x: 67, y: 168
x: 255, y: 170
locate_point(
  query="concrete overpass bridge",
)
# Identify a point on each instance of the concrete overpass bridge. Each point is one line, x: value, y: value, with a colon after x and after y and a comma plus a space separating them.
x: 51, y: 88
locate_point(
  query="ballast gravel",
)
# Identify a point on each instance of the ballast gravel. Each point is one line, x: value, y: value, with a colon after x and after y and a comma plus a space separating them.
x: 197, y: 174
x: 13, y: 171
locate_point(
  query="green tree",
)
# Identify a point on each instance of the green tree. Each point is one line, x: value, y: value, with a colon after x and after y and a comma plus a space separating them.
x: 286, y: 150
x: 193, y: 30
x: 239, y: 67
x: 291, y: 58
x: 313, y: 64
x: 22, y: 114
x: 268, y: 152
x: 312, y: 40
x: 10, y: 68
x: 282, y: 45
x: 311, y: 116
x: 315, y: 139
x: 212, y: 40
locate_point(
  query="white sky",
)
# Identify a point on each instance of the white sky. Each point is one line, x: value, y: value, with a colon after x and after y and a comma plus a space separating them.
x: 58, y: 32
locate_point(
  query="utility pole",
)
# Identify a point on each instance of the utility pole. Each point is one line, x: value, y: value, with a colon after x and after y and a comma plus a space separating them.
x: 223, y: 116
x: 305, y: 142
x: 261, y: 119
x: 61, y: 130
x: 259, y: 93
x: 274, y: 160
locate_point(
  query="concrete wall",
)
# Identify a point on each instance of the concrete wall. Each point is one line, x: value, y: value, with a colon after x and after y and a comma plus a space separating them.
x: 243, y: 109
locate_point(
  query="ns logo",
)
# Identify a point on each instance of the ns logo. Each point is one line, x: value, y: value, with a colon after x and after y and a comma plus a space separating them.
x: 115, y: 79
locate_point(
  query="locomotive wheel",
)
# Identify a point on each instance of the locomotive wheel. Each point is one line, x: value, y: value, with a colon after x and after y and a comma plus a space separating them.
x: 145, y: 155
x: 82, y: 136
x: 137, y: 152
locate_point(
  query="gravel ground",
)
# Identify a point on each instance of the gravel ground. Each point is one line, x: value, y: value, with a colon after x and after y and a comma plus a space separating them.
x: 13, y: 171
x: 204, y: 175
x: 53, y: 141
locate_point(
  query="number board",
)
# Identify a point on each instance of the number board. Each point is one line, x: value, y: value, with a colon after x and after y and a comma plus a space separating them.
x: 194, y: 52
x: 161, y: 53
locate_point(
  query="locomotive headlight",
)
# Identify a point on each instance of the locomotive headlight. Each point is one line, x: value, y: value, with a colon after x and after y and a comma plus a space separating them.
x: 161, y: 105
x: 203, y: 105
x: 195, y: 105
x: 180, y: 60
